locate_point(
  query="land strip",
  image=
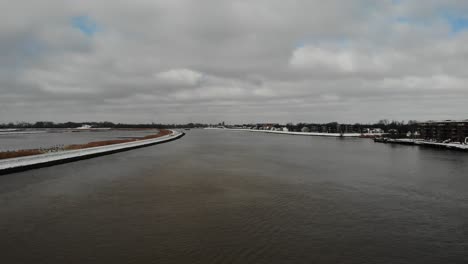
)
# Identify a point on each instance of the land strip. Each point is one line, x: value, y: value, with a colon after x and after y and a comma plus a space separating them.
x: 48, y: 159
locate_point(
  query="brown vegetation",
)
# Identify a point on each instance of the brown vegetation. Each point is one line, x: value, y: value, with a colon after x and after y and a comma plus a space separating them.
x: 30, y: 152
x: 161, y: 133
x: 134, y: 128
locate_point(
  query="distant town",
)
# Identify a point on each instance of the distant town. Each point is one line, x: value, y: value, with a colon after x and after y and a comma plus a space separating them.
x: 444, y: 131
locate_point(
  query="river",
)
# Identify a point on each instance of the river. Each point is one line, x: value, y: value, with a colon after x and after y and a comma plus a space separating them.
x: 238, y: 197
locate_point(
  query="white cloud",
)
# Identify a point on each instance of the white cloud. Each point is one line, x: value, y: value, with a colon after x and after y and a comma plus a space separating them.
x: 317, y: 58
x: 180, y: 77
x: 344, y: 60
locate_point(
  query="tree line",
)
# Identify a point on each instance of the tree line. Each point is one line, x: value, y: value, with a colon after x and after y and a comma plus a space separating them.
x: 105, y: 124
x: 384, y: 124
x: 402, y: 127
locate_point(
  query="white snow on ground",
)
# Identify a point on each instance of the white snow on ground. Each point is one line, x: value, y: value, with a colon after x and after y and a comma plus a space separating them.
x: 310, y: 133
x: 402, y: 140
x: 447, y: 145
x: 429, y: 143
x: 297, y: 133
x: 14, y: 132
x: 57, y: 156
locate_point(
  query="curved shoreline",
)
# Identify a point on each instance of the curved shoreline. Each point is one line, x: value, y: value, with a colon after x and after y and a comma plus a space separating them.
x: 45, y: 160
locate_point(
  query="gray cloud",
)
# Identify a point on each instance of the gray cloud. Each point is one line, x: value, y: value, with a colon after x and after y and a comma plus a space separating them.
x: 237, y: 61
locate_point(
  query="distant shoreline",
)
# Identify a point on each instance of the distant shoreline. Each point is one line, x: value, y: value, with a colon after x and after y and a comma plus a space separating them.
x: 355, y: 135
x: 401, y: 141
x: 424, y: 143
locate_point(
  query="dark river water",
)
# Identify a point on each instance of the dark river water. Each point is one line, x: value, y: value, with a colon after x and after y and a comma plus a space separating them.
x: 240, y: 197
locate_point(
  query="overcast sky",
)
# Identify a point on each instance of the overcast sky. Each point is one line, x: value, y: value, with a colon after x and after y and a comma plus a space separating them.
x: 237, y: 61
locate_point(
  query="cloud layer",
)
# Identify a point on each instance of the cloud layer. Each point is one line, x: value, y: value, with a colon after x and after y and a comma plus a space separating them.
x: 235, y: 61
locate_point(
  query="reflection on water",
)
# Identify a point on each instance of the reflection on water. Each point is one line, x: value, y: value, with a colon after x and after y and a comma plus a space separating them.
x: 236, y: 197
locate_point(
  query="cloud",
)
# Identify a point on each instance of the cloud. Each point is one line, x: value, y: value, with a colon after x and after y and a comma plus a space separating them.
x: 339, y: 61
x: 237, y: 61
x: 180, y: 77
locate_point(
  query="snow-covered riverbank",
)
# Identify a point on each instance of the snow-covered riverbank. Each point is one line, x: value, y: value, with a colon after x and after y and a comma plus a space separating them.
x: 420, y: 142
x: 293, y: 133
x: 25, y: 163
x: 18, y: 132
x: 443, y: 145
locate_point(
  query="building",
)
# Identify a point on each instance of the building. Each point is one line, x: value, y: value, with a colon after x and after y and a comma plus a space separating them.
x: 373, y: 130
x: 267, y: 126
x: 447, y: 130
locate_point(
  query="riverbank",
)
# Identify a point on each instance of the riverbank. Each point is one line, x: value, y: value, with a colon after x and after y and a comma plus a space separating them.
x: 355, y: 135
x: 100, y: 148
x: 58, y: 148
x: 424, y: 143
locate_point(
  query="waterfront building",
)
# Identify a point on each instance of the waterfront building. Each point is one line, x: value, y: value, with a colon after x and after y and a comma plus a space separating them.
x: 267, y: 126
x: 446, y: 130
x: 373, y: 131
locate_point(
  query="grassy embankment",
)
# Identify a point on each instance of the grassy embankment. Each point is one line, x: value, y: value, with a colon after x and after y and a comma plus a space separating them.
x: 30, y: 152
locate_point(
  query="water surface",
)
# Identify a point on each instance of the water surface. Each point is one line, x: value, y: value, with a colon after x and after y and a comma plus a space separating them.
x: 239, y: 197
